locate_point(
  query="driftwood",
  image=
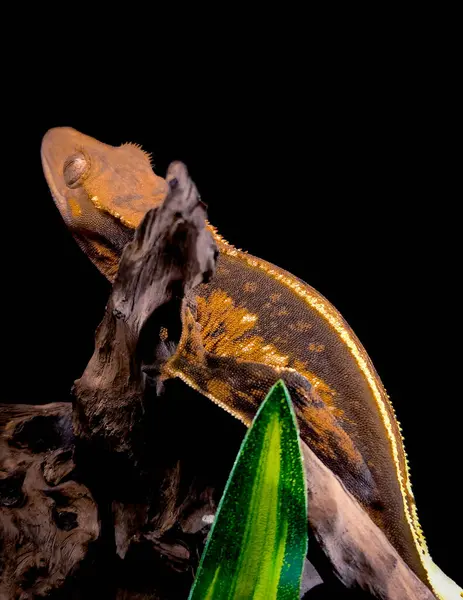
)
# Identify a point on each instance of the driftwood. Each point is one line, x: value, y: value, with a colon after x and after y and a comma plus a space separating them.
x: 48, y: 521
x: 113, y: 496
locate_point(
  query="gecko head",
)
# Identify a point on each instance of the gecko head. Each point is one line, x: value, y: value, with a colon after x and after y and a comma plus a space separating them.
x: 102, y: 191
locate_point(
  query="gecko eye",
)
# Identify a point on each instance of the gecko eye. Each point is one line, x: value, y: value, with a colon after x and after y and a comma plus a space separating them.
x: 74, y: 169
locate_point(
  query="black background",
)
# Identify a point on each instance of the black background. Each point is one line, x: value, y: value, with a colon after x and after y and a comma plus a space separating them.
x: 338, y: 172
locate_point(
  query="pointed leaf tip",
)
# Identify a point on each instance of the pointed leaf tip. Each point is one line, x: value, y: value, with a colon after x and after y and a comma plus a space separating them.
x: 258, y: 541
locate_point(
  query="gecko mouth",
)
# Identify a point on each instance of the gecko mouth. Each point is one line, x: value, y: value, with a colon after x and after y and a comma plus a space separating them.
x: 58, y: 198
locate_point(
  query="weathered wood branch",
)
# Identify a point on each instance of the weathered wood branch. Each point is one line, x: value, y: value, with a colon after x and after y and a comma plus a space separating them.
x: 141, y: 450
x: 152, y: 472
x: 171, y: 253
x: 357, y: 550
x: 48, y: 521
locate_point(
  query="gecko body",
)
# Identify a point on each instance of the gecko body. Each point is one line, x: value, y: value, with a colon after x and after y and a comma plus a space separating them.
x: 257, y: 324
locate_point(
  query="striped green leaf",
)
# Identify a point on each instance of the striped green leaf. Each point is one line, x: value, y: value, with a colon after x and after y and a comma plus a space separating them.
x: 258, y: 541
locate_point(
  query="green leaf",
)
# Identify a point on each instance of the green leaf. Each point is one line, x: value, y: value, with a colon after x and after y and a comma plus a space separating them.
x: 258, y: 542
